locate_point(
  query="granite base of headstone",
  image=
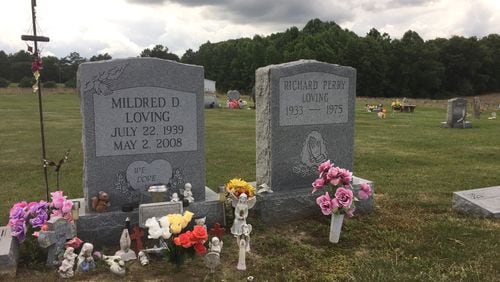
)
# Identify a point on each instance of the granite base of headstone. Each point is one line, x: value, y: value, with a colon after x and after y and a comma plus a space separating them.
x: 456, y: 114
x: 483, y: 202
x: 298, y: 204
x: 104, y: 229
x: 9, y: 253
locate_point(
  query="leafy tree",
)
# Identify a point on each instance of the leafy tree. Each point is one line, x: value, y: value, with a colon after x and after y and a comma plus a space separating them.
x: 100, y: 57
x: 159, y: 51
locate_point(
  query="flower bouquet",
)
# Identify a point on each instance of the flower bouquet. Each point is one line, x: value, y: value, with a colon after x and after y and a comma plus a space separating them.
x: 175, y: 243
x: 337, y: 181
x: 236, y: 186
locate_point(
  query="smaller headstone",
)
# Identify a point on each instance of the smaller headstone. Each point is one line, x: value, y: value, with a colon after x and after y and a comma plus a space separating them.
x: 477, y: 108
x: 233, y: 95
x: 210, y: 101
x: 483, y: 202
x: 59, y: 231
x: 457, y: 114
x: 9, y: 252
x: 158, y: 210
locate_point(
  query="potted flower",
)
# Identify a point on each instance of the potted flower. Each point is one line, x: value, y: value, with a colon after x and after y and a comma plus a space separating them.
x: 338, y: 198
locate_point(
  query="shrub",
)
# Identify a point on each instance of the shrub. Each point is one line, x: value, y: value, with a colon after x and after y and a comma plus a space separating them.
x: 70, y: 83
x: 50, y: 84
x: 4, y: 82
x: 26, y: 82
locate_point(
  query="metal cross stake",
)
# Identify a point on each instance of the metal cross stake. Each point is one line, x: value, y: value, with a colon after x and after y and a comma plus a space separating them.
x: 37, y: 39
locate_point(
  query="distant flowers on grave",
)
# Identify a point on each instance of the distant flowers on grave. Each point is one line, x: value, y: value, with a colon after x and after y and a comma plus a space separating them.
x: 339, y: 195
x: 35, y: 215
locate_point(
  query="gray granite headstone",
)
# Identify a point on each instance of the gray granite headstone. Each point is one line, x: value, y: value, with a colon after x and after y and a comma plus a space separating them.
x: 483, y: 202
x: 305, y: 116
x: 477, y: 108
x: 233, y: 95
x: 158, y: 210
x: 9, y: 253
x: 143, y: 125
x: 59, y: 231
x: 457, y: 114
x: 210, y: 101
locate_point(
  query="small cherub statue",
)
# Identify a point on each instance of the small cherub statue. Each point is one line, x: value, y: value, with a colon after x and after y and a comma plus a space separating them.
x: 66, y: 268
x: 242, y: 254
x: 201, y: 221
x: 216, y: 245
x: 175, y: 198
x: 85, y: 260
x: 125, y: 252
x: 246, y: 229
x: 116, y: 264
x: 143, y: 258
x: 188, y: 194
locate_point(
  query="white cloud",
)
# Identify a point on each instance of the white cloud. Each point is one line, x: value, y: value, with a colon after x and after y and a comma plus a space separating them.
x: 123, y: 28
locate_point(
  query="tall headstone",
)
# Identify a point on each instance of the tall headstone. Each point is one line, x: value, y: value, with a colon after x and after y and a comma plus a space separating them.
x: 457, y: 114
x: 142, y: 126
x: 477, y: 107
x: 304, y: 116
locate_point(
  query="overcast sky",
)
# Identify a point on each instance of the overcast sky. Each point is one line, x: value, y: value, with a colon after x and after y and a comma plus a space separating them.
x: 123, y: 28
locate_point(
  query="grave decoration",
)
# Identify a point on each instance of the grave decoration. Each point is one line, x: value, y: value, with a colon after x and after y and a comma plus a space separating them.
x: 175, y: 242
x: 396, y: 105
x: 212, y: 258
x: 85, y: 261
x: 242, y: 195
x: 337, y: 181
x: 67, y: 265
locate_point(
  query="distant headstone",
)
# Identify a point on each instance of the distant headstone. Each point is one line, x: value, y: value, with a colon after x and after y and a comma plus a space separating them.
x: 457, y: 114
x: 59, y: 231
x: 305, y: 116
x: 158, y: 210
x: 233, y: 95
x: 9, y: 253
x: 210, y: 101
x: 143, y: 126
x: 483, y: 202
x: 477, y: 108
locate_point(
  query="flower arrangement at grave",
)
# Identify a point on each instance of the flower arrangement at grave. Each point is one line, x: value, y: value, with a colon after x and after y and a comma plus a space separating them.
x: 338, y: 199
x: 236, y: 186
x: 396, y: 105
x: 177, y: 242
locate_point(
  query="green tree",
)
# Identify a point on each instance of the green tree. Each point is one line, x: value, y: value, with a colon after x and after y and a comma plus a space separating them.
x: 100, y: 57
x: 159, y: 51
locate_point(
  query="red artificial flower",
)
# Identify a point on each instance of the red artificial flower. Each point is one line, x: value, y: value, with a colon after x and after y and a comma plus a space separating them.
x: 200, y: 248
x: 184, y: 240
x: 75, y: 243
x: 199, y: 234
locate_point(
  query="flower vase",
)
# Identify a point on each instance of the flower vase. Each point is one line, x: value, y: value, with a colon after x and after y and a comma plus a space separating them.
x: 335, y: 227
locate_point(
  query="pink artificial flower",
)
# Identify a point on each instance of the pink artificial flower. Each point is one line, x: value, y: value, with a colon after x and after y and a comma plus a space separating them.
x: 325, y: 203
x: 318, y: 184
x: 57, y: 199
x: 333, y: 175
x: 56, y: 213
x: 345, y: 176
x: 335, y: 205
x: 67, y: 205
x: 45, y: 227
x: 36, y: 234
x: 344, y: 197
x: 75, y: 243
x: 365, y: 191
x: 68, y: 216
x: 323, y: 167
x: 350, y: 212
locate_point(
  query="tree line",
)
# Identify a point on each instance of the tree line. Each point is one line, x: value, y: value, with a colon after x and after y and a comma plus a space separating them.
x: 386, y: 67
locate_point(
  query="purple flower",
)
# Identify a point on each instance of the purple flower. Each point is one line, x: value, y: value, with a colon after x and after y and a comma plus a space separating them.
x: 325, y: 203
x: 39, y: 219
x: 17, y: 213
x: 365, y: 191
x: 36, y: 208
x: 18, y: 229
x: 318, y: 184
x: 344, y: 197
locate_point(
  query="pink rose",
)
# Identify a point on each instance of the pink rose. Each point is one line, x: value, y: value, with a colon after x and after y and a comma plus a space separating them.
x: 335, y: 205
x: 345, y: 176
x: 75, y: 243
x: 350, y: 212
x: 67, y: 205
x: 318, y: 184
x: 325, y: 203
x: 333, y: 175
x: 344, y: 197
x: 57, y: 199
x: 56, y: 213
x: 365, y: 191
x: 323, y: 167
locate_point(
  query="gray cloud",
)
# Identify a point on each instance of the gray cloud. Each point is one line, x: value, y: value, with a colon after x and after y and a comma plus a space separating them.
x: 266, y: 11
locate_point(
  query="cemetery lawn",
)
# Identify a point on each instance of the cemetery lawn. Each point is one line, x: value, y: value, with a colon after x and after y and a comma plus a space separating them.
x: 413, y: 234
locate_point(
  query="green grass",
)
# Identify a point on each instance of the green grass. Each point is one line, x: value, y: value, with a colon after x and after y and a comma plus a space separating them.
x: 412, y: 235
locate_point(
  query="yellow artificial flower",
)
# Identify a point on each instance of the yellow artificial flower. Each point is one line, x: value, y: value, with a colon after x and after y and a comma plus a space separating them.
x: 237, y: 186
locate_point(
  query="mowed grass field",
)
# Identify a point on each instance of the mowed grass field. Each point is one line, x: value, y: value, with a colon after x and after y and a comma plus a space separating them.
x: 413, y: 234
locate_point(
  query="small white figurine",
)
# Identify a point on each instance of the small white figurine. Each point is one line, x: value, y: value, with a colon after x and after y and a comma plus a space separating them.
x: 241, y: 213
x: 201, y: 221
x: 175, y: 198
x: 125, y: 252
x: 188, y: 194
x: 66, y: 268
x: 246, y: 229
x: 216, y: 245
x: 116, y: 264
x: 143, y: 258
x: 241, y: 258
x: 157, y: 229
x: 85, y: 261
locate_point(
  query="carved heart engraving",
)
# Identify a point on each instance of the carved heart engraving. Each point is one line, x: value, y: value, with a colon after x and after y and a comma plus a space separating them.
x: 141, y: 175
